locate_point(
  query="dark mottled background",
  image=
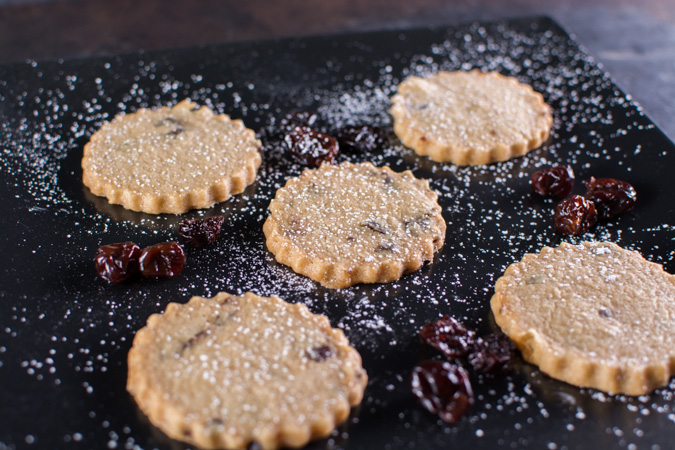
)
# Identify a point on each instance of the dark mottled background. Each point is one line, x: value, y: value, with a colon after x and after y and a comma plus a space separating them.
x: 634, y: 41
x: 64, y: 335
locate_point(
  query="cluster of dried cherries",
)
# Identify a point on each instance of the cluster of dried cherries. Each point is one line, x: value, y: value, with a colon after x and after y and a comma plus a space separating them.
x: 119, y: 262
x: 443, y: 386
x: 313, y: 148
x: 605, y: 198
x: 122, y: 261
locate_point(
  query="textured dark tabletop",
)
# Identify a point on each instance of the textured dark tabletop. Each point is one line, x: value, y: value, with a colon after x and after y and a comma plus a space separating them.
x: 64, y: 337
x: 634, y: 41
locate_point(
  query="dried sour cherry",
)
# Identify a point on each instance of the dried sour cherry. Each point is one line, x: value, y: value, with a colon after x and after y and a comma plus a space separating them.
x: 118, y: 262
x: 448, y: 336
x: 610, y: 196
x: 310, y: 147
x: 200, y: 232
x: 320, y: 353
x: 442, y: 388
x: 166, y: 260
x: 575, y: 215
x: 555, y: 181
x: 605, y: 198
x: 491, y: 353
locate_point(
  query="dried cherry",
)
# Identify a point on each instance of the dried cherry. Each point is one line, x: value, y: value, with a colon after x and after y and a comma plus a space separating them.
x: 166, y: 259
x: 610, y: 196
x: 442, y: 388
x: 575, y: 215
x: 555, y: 181
x: 320, y: 353
x: 310, y: 147
x: 449, y: 336
x: 491, y: 353
x: 360, y: 138
x: 200, y: 232
x: 116, y: 263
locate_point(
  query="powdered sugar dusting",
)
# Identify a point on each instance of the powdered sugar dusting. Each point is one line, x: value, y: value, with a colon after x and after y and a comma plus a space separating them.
x: 53, y: 227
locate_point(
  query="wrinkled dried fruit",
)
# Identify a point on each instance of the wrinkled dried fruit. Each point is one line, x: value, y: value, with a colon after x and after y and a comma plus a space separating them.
x: 360, y: 138
x: 310, y: 147
x: 374, y: 226
x: 162, y: 260
x: 610, y: 196
x: 175, y: 126
x: 321, y: 353
x: 575, y: 215
x: 116, y: 263
x: 200, y: 232
x: 449, y: 336
x: 555, y: 181
x: 491, y: 353
x: 442, y: 388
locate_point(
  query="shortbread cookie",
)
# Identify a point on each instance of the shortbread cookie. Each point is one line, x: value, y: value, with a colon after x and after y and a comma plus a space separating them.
x: 170, y: 160
x: 469, y: 117
x: 354, y: 223
x: 593, y: 315
x: 229, y: 371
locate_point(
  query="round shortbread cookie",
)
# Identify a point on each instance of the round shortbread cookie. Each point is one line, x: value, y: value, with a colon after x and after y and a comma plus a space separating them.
x: 354, y: 223
x: 233, y: 370
x: 593, y: 315
x: 170, y: 160
x: 469, y: 117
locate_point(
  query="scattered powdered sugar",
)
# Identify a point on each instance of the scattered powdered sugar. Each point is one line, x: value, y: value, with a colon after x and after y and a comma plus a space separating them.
x: 364, y: 321
x: 361, y: 104
x: 50, y: 110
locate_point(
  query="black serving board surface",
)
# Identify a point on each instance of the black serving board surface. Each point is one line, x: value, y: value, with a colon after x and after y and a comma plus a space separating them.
x: 65, y: 334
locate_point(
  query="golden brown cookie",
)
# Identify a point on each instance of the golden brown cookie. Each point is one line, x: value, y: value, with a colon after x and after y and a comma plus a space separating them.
x: 231, y: 370
x: 593, y: 315
x: 354, y: 223
x: 170, y: 160
x: 469, y: 117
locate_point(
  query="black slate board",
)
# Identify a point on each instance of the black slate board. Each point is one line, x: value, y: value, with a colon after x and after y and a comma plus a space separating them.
x: 65, y: 334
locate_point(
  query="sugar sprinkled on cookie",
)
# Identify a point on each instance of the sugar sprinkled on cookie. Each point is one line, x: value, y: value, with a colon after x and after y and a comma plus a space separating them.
x: 170, y: 160
x: 231, y: 370
x: 593, y: 315
x: 469, y: 117
x: 354, y: 223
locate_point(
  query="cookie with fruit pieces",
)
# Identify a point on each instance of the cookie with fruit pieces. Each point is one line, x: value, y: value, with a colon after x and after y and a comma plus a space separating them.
x: 354, y: 223
x: 231, y: 371
x: 594, y: 315
x: 170, y: 159
x: 469, y: 117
